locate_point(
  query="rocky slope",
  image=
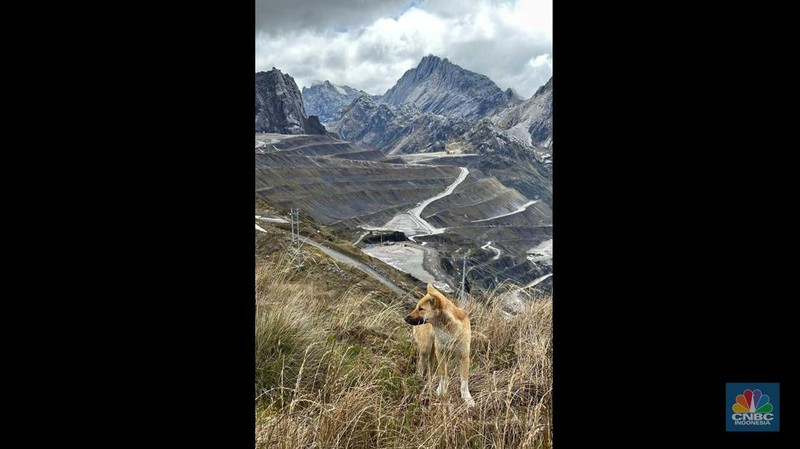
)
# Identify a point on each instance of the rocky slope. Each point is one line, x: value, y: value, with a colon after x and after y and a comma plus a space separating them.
x: 531, y: 123
x: 438, y: 86
x: 279, y: 106
x: 439, y: 106
x: 325, y: 99
x: 333, y: 182
x: 516, y: 144
x: 396, y: 129
x: 327, y: 146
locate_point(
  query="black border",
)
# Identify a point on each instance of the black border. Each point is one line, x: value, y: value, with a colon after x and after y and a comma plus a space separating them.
x: 188, y: 208
x: 671, y: 215
x: 666, y: 146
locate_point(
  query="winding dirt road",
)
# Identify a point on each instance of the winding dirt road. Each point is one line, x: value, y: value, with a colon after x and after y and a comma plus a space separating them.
x: 496, y: 250
x: 352, y: 262
x: 411, y: 223
x: 355, y: 264
x: 519, y: 209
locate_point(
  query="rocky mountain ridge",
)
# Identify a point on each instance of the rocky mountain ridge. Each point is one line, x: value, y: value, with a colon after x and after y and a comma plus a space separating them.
x: 396, y: 129
x: 279, y: 106
x: 438, y: 86
x: 437, y: 104
x: 325, y: 99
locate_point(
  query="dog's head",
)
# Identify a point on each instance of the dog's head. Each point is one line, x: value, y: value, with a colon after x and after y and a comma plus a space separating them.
x: 427, y: 308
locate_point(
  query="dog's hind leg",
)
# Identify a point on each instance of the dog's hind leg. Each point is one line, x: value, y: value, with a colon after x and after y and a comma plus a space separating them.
x: 463, y: 366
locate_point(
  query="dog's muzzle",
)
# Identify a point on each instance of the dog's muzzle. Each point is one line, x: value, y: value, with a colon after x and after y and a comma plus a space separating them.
x: 414, y: 321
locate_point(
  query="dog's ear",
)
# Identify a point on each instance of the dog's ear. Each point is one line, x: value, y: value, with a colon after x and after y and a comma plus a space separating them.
x: 432, y: 289
x: 423, y: 300
x: 437, y: 298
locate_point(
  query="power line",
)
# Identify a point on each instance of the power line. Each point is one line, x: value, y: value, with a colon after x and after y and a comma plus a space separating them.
x: 463, y: 279
x: 297, y: 222
x: 291, y: 220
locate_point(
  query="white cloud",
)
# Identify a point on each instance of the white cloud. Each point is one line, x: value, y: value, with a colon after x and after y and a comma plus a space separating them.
x: 509, y: 41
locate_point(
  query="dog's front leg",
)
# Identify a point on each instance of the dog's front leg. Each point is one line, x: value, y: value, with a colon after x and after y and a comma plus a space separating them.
x: 463, y: 366
x: 441, y: 390
x: 420, y: 364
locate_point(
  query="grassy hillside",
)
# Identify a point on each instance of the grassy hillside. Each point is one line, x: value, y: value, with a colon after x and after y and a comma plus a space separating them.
x: 272, y: 245
x: 335, y: 365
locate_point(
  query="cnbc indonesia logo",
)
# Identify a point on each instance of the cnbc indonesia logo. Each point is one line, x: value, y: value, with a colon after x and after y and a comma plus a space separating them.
x: 752, y: 408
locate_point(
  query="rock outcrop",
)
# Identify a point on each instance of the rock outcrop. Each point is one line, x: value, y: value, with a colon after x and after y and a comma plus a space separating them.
x: 279, y: 106
x: 396, y: 129
x: 438, y: 86
x: 325, y: 99
x: 429, y: 106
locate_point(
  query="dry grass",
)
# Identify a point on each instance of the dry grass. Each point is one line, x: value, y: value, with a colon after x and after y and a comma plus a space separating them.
x: 337, y: 371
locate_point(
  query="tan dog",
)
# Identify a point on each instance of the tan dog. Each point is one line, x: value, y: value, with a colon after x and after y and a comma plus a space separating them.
x: 423, y: 338
x: 452, y: 336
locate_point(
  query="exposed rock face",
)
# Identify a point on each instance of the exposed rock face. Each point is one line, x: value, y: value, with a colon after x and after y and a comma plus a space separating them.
x: 325, y: 99
x: 279, y: 106
x: 396, y: 129
x: 516, y: 144
x: 510, y: 161
x: 431, y: 105
x: 373, y: 125
x: 438, y: 86
x: 531, y: 122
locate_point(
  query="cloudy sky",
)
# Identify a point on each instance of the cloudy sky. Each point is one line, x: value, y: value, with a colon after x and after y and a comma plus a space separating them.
x: 369, y: 44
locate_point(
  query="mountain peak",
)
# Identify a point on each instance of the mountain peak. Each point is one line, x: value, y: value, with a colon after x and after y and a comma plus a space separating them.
x: 279, y: 106
x: 437, y: 85
x: 325, y: 99
x: 431, y: 63
x: 545, y: 87
x: 433, y: 59
x: 513, y: 95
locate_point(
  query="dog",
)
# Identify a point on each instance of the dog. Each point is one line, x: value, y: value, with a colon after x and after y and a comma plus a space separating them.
x: 452, y: 336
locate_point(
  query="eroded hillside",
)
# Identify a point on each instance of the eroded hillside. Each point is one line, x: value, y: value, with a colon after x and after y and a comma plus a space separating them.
x: 448, y: 212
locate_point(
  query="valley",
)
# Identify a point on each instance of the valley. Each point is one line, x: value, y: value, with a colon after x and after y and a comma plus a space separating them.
x: 442, y: 169
x: 446, y: 212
